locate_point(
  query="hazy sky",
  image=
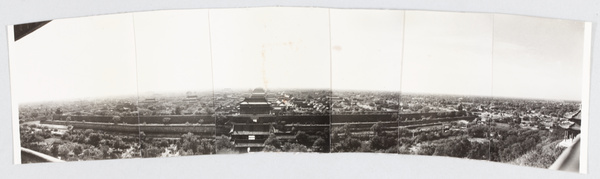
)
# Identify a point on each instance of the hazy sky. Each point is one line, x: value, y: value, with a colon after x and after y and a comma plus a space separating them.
x: 271, y: 48
x: 173, y: 51
x: 537, y: 57
x: 75, y: 58
x: 414, y: 51
x: 447, y: 53
x: 366, y: 49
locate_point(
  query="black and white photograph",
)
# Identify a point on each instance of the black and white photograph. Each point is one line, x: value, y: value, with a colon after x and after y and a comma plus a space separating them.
x: 446, y: 81
x: 74, y: 83
x: 174, y: 79
x: 486, y: 87
x: 535, y: 118
x: 501, y: 88
x: 366, y: 56
x: 271, y: 79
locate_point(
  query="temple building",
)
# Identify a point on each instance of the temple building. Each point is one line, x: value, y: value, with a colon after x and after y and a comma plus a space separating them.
x: 257, y: 121
x: 572, y: 126
x: 256, y: 104
x: 250, y: 137
x: 248, y: 133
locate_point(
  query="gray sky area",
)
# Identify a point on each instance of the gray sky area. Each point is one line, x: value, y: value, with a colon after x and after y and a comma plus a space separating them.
x: 173, y: 51
x: 366, y: 49
x: 447, y: 53
x: 271, y: 48
x: 383, y: 50
x: 537, y: 57
x: 75, y: 58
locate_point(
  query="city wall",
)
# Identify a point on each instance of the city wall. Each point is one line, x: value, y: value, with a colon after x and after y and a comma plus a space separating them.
x: 128, y: 128
x: 299, y: 119
x: 356, y: 118
x: 353, y: 118
x: 446, y: 119
x: 175, y: 119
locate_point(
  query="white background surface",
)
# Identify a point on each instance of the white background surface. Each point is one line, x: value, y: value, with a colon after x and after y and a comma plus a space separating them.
x: 285, y: 165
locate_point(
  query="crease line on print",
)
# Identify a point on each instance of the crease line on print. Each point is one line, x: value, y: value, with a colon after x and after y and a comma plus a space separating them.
x: 400, y: 90
x: 330, y: 79
x: 212, y: 71
x: 137, y: 80
x: 491, y: 85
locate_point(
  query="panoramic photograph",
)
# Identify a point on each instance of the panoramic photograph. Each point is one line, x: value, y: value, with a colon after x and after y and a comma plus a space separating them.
x: 487, y: 87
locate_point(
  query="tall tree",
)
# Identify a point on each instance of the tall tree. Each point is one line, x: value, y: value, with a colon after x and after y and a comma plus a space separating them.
x: 116, y: 119
x: 166, y: 120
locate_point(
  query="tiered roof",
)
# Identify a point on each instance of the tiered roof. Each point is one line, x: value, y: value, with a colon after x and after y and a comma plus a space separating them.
x: 574, y: 122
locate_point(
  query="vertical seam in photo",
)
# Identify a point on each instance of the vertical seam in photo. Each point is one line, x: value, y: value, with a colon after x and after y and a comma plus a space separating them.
x: 137, y: 83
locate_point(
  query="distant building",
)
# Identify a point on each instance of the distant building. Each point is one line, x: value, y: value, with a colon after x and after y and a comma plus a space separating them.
x: 256, y: 104
x: 190, y: 98
x: 126, y: 107
x: 149, y: 101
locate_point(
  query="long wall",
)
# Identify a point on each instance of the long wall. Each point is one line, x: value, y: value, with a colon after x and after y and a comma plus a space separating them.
x: 447, y: 119
x: 304, y: 119
x: 207, y: 129
x: 353, y: 118
x: 175, y: 119
x: 132, y: 126
x: 361, y: 118
x: 392, y: 125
